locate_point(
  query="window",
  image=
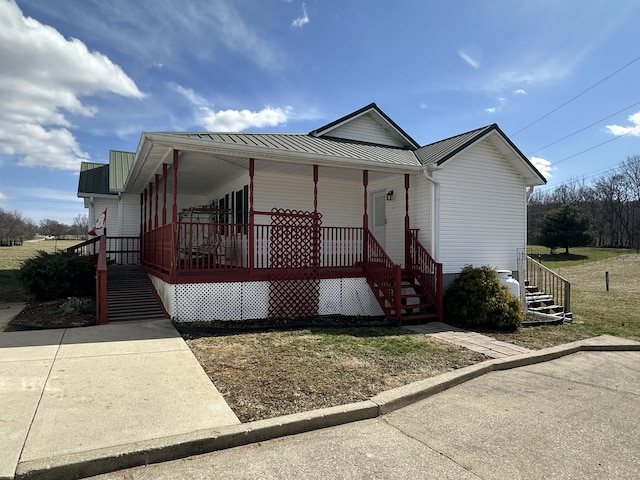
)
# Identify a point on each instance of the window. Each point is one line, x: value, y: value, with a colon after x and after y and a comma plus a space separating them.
x: 241, y: 207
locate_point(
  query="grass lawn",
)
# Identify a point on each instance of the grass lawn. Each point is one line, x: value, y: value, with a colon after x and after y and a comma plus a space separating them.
x: 11, y: 259
x: 596, y: 311
x: 576, y: 256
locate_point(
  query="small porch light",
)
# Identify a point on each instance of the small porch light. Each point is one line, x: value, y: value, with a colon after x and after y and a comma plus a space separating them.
x: 390, y: 195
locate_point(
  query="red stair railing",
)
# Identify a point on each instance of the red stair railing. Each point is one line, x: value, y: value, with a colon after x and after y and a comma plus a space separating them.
x: 384, y: 277
x: 425, y: 269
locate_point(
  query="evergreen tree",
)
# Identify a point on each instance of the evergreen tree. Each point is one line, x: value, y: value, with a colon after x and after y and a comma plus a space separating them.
x: 565, y: 227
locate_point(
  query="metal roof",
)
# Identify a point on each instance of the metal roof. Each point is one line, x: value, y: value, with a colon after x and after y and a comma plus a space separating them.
x: 438, y: 152
x: 119, y: 165
x: 94, y: 179
x: 303, y: 143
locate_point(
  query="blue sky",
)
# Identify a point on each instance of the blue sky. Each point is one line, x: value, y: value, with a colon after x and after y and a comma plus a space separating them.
x: 81, y: 77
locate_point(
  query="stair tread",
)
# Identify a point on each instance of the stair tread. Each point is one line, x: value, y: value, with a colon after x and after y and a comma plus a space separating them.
x: 546, y: 307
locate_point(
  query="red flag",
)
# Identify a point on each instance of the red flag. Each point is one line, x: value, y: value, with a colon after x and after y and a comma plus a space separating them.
x: 99, y: 223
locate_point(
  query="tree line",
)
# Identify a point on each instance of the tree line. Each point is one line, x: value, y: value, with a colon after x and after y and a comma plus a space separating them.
x: 611, y: 203
x: 15, y: 228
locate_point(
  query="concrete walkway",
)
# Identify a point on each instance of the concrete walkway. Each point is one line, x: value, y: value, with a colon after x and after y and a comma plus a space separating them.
x: 78, y: 390
x: 473, y: 341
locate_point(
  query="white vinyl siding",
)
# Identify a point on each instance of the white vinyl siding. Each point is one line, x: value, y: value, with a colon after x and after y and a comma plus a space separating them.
x: 482, y: 210
x: 420, y: 209
x: 364, y: 129
x: 341, y: 202
x: 130, y: 215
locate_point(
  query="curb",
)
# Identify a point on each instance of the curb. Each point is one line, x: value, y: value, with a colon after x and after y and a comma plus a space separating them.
x: 96, y: 462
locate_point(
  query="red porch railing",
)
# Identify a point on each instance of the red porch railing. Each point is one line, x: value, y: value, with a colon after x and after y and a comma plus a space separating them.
x: 101, y: 283
x: 88, y: 248
x: 158, y: 252
x: 120, y: 250
x: 194, y: 247
x: 384, y: 277
x: 425, y: 269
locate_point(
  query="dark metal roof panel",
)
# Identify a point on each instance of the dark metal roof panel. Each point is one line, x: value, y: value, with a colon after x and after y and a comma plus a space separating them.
x: 297, y: 142
x: 94, y: 178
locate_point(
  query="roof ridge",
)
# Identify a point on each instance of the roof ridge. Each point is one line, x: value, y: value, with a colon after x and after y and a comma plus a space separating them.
x: 206, y: 132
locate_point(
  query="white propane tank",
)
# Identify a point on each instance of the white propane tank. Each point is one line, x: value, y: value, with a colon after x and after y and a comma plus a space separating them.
x: 508, y: 281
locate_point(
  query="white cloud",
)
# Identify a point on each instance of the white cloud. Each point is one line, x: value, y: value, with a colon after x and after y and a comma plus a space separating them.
x: 501, y: 101
x: 519, y: 91
x: 467, y: 58
x: 543, y: 166
x: 233, y: 120
x: 303, y: 20
x: 42, y: 79
x: 4, y: 196
x: 633, y: 129
x: 169, y: 30
x: 238, y: 120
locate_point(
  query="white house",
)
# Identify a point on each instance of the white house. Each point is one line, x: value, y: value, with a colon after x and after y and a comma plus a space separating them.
x: 354, y: 218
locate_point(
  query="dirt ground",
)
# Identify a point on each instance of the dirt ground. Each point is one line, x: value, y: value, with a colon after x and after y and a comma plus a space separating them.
x: 269, y: 374
x: 48, y: 315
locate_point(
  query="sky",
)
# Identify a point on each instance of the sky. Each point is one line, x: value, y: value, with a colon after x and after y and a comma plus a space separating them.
x: 81, y: 77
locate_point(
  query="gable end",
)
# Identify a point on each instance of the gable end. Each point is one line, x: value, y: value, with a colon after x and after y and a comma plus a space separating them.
x: 368, y: 125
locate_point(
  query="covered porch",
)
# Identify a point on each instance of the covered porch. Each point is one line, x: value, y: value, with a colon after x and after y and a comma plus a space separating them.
x: 210, y: 217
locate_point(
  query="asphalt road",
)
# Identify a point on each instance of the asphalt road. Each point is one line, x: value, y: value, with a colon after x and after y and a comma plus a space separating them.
x: 577, y: 417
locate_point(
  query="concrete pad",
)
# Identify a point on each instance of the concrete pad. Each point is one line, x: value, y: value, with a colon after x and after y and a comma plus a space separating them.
x: 149, y: 395
x: 121, y: 339
x: 21, y: 385
x: 365, y: 450
x: 30, y: 345
x: 595, y: 369
x: 535, y: 422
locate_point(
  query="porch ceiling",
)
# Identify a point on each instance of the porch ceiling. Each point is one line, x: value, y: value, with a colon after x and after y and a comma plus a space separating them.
x: 201, y: 173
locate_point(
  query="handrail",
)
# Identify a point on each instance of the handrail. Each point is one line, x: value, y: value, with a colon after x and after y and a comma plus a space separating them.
x: 101, y: 283
x: 384, y: 275
x: 125, y: 249
x: 426, y: 270
x: 83, y: 248
x: 549, y: 282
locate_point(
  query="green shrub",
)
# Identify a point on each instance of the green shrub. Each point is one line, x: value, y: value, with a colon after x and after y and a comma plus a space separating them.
x: 477, y: 298
x: 78, y: 305
x: 50, y: 276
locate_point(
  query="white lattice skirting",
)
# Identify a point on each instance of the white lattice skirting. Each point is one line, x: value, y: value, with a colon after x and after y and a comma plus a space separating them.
x: 190, y: 302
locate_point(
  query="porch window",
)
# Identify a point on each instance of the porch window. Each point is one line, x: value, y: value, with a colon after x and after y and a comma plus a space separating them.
x: 241, y: 207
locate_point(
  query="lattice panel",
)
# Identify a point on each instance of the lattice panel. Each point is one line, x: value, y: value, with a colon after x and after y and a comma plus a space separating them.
x: 294, y: 252
x: 208, y: 301
x: 251, y: 300
x: 330, y: 296
x: 358, y: 299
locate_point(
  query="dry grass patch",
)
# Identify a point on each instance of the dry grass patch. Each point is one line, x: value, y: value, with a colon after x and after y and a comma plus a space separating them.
x: 264, y: 375
x: 596, y: 311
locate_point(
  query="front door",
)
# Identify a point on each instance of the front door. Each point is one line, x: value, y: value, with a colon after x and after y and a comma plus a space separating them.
x: 379, y: 217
